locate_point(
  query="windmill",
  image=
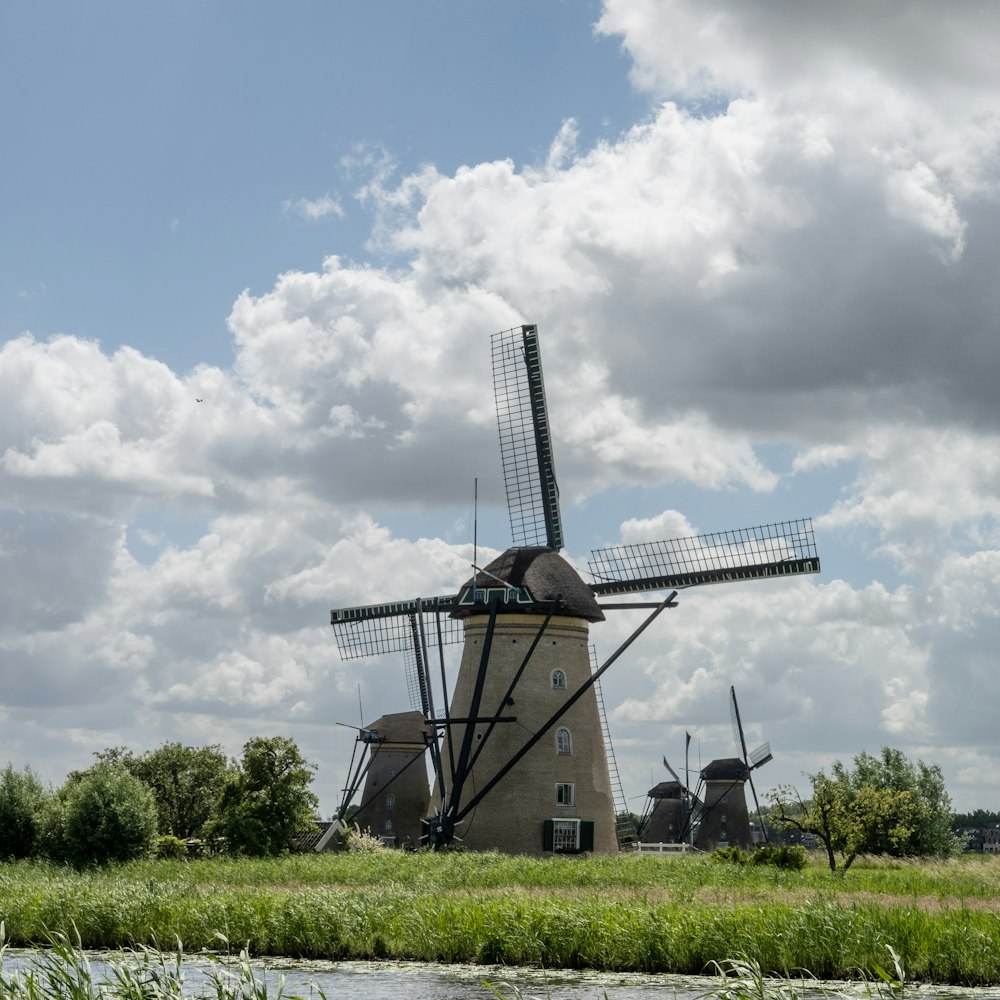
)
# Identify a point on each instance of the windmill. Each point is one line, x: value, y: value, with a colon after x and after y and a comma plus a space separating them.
x: 666, y: 818
x: 757, y: 758
x: 524, y: 619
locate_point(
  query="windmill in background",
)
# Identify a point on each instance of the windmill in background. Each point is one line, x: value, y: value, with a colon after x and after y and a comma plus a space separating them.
x: 518, y: 753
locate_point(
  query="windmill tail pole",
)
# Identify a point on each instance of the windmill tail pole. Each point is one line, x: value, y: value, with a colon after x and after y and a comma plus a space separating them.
x: 668, y: 602
x: 760, y: 819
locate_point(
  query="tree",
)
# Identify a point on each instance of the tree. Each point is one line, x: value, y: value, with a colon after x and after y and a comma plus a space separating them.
x: 892, y: 770
x: 107, y: 815
x: 22, y: 808
x: 267, y: 801
x: 187, y: 783
x: 885, y: 805
x: 975, y: 820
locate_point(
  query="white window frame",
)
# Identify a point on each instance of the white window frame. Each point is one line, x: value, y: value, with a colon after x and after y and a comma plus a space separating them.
x: 564, y: 741
x: 558, y: 679
x: 565, y: 835
x: 565, y: 793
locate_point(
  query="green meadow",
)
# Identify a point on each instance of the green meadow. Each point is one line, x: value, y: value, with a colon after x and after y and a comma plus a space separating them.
x: 630, y: 913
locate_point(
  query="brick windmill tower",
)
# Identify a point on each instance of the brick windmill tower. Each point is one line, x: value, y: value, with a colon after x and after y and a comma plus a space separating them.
x: 396, y: 793
x: 519, y: 758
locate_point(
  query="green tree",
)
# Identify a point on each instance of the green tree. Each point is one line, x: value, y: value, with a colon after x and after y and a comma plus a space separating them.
x: 977, y: 819
x: 107, y: 815
x: 267, y: 801
x: 884, y: 805
x: 22, y: 807
x: 893, y: 771
x: 187, y: 783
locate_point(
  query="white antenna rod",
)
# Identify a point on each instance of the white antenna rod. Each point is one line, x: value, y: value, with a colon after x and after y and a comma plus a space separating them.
x: 493, y: 576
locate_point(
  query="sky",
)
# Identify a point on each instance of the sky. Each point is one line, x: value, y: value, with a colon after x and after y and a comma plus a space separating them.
x: 251, y: 256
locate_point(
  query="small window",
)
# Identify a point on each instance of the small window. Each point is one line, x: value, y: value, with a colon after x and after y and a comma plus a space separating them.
x: 558, y: 679
x: 564, y: 742
x: 565, y: 793
x: 388, y: 826
x: 390, y: 801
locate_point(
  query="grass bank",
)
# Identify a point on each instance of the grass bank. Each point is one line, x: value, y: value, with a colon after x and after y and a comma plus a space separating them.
x: 629, y: 913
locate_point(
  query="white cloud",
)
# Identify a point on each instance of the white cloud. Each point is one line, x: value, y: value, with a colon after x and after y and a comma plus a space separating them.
x: 801, y: 265
x: 314, y: 209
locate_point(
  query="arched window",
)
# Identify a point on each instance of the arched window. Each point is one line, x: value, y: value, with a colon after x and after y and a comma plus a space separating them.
x: 390, y: 801
x: 564, y: 742
x: 388, y: 826
x: 558, y: 679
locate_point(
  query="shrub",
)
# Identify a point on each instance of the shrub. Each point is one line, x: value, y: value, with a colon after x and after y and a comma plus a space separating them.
x: 791, y: 856
x: 108, y: 815
x: 729, y: 855
x: 169, y: 846
x: 22, y: 808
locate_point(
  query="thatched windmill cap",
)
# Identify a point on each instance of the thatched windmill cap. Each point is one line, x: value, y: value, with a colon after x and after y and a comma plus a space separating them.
x: 666, y: 790
x: 726, y: 769
x: 546, y: 576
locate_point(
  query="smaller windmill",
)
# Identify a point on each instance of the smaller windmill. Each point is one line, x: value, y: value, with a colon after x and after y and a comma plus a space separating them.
x: 669, y: 810
x: 755, y: 759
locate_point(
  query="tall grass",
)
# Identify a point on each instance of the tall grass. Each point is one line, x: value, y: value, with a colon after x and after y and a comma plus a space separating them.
x: 629, y: 913
x: 64, y: 971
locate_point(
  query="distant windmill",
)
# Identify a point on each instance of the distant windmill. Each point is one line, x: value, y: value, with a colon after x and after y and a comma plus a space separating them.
x: 670, y: 808
x: 757, y: 758
x: 518, y: 756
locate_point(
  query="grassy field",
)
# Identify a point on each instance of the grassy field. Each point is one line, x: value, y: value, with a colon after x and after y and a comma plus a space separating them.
x: 676, y: 914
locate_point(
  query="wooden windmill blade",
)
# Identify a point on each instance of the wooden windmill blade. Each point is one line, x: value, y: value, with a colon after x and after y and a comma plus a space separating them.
x: 404, y: 627
x: 525, y: 440
x: 374, y: 629
x: 786, y: 548
x: 760, y: 756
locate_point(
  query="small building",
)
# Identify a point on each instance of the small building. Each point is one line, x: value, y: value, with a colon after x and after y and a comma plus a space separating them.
x: 991, y: 840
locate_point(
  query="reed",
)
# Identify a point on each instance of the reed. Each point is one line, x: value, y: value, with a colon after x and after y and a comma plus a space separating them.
x: 64, y: 971
x: 627, y: 913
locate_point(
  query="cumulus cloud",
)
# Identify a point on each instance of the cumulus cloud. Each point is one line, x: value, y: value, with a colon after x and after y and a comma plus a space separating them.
x: 785, y: 272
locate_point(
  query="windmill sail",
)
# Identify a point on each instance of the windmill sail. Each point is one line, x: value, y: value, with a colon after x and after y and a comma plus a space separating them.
x: 787, y: 548
x: 525, y: 442
x: 758, y: 758
x: 372, y: 629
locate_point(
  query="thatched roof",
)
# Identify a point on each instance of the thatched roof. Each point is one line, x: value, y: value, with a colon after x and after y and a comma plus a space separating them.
x: 546, y: 575
x: 666, y: 790
x: 726, y: 769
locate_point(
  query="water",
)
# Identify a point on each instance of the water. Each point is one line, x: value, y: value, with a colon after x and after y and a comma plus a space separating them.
x: 427, y: 981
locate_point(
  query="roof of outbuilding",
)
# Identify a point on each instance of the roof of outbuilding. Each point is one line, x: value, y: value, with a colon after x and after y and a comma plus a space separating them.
x: 546, y: 575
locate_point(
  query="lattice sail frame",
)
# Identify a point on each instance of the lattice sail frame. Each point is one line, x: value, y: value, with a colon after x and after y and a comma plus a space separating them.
x: 786, y: 548
x: 374, y: 629
x: 525, y: 440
